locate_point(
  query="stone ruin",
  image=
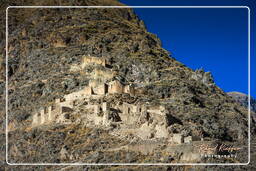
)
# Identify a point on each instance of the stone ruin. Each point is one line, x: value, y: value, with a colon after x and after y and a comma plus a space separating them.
x: 113, y: 87
x: 96, y: 88
x: 62, y: 106
x: 148, y: 121
x: 53, y: 113
x: 89, y: 60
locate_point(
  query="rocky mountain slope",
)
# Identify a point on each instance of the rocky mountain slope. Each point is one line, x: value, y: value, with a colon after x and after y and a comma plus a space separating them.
x: 46, y: 47
x: 243, y: 99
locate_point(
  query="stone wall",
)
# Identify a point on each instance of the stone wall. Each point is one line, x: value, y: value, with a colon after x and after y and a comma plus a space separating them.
x: 129, y: 89
x: 69, y: 103
x: 64, y: 119
x: 50, y: 113
x: 160, y: 110
x: 115, y: 87
x: 36, y: 119
x: 178, y: 138
x: 149, y: 121
x: 45, y: 115
x: 145, y: 131
x: 105, y: 107
x: 161, y: 131
x: 188, y: 139
x: 97, y: 87
x: 94, y: 83
x: 103, y: 74
x: 131, y: 113
x: 100, y: 114
x: 88, y: 90
x: 101, y: 89
x: 94, y: 60
x: 75, y: 95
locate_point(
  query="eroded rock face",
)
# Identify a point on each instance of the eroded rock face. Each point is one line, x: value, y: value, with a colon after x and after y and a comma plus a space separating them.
x: 204, y: 77
x: 243, y: 99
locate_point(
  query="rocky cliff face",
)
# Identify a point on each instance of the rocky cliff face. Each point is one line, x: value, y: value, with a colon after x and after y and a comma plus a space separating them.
x: 243, y: 99
x: 44, y: 44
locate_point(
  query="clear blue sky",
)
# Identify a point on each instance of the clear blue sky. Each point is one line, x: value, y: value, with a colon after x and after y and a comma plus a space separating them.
x: 214, y: 39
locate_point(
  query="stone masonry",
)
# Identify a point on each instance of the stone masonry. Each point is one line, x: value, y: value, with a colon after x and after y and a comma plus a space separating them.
x: 151, y: 121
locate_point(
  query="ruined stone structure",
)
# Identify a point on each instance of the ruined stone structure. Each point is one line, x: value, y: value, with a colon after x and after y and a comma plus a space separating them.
x: 159, y: 110
x: 103, y: 75
x: 88, y: 90
x: 65, y: 105
x: 131, y: 113
x: 56, y: 112
x: 150, y: 121
x: 116, y: 87
x: 75, y: 95
x: 45, y: 115
x: 129, y: 89
x: 96, y: 87
x: 88, y: 60
x: 161, y: 131
x: 178, y: 138
x: 36, y: 119
x: 188, y: 139
x: 145, y: 131
x: 154, y: 124
x: 102, y: 81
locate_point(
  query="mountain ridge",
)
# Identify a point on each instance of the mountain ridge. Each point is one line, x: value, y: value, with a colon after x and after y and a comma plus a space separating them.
x: 243, y: 99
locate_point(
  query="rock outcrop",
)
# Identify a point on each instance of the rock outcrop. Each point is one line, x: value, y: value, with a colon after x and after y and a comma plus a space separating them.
x: 243, y: 99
